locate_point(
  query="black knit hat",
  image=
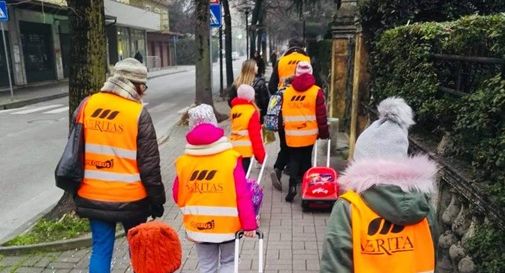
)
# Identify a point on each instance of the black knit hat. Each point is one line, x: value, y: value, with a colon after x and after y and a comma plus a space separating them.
x: 296, y: 42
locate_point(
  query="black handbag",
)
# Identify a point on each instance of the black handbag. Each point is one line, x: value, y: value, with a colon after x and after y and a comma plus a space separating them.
x: 70, y: 169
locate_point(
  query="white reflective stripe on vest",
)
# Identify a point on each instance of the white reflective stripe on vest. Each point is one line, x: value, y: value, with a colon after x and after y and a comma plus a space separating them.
x: 110, y: 176
x: 239, y: 143
x: 299, y: 118
x: 210, y: 237
x: 208, y: 210
x: 109, y: 150
x: 302, y: 132
x: 240, y: 133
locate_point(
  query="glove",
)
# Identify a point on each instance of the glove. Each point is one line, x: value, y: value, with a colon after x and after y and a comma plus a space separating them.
x: 157, y: 210
x: 323, y: 136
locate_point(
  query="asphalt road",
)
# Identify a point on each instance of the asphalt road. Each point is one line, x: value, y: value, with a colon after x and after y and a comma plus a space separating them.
x: 32, y: 139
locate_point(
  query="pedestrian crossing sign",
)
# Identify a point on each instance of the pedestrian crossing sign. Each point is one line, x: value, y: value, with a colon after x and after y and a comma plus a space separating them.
x: 215, y: 15
x: 4, y: 15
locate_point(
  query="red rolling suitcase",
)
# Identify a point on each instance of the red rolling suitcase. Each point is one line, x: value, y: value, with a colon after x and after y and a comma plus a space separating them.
x: 319, y: 185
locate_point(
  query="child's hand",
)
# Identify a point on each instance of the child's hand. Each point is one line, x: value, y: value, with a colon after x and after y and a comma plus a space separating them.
x: 250, y: 233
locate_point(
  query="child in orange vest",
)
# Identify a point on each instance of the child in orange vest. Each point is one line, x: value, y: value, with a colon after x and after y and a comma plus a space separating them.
x: 384, y: 222
x: 245, y: 126
x: 211, y: 190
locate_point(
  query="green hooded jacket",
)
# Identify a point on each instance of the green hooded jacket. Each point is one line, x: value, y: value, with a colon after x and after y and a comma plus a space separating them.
x: 398, y: 191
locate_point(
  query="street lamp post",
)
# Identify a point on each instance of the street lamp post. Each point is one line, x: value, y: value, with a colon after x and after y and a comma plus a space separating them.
x: 246, y: 7
x: 247, y: 32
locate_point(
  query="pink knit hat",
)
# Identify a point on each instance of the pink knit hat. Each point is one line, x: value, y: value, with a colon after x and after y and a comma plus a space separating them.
x: 302, y: 68
x: 246, y: 92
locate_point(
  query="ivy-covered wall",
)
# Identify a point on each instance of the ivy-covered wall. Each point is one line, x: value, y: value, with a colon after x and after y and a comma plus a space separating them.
x: 402, y: 64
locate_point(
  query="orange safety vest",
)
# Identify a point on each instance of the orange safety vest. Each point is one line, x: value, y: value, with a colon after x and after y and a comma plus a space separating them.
x: 380, y: 246
x: 299, y: 116
x: 111, y: 172
x: 240, y: 117
x: 287, y: 66
x: 207, y: 196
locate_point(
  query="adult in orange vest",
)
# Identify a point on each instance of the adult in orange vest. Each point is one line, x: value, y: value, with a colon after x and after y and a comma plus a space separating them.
x: 282, y: 74
x: 122, y: 179
x: 384, y: 222
x: 211, y: 190
x: 304, y: 118
x: 245, y: 126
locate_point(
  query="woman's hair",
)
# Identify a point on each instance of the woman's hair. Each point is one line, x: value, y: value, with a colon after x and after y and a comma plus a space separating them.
x: 247, y: 74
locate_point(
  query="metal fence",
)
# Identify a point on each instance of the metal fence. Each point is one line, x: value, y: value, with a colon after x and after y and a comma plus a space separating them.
x: 460, y: 75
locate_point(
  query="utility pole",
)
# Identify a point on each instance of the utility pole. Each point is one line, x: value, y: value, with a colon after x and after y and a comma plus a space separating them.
x: 247, y: 31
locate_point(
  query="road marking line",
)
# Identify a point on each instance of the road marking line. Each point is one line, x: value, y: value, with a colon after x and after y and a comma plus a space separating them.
x: 58, y: 110
x: 12, y: 110
x: 145, y: 103
x: 28, y: 111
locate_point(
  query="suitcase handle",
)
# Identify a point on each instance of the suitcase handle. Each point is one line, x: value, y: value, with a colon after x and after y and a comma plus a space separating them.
x: 238, y: 236
x: 260, y: 176
x: 314, y: 164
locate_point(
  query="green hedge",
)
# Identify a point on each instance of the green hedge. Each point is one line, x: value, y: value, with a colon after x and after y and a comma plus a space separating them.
x: 402, y: 65
x: 376, y: 16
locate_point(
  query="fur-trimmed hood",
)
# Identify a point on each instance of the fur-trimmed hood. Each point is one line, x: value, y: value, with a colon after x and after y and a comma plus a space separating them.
x: 398, y: 190
x: 413, y: 173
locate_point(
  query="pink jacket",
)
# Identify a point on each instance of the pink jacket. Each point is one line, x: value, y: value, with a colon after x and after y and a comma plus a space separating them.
x: 213, y: 137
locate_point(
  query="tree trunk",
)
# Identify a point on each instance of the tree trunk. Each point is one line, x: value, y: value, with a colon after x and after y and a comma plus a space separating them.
x: 203, y: 63
x: 88, y: 66
x: 253, y: 29
x: 227, y: 43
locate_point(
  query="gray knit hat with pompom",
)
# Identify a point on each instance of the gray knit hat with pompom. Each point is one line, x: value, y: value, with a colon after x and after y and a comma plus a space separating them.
x: 387, y: 137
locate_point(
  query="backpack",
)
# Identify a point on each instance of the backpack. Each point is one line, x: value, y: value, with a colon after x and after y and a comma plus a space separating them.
x: 271, y: 119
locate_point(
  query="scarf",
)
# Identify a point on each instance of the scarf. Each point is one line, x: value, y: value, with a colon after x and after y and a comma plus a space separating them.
x: 121, y: 86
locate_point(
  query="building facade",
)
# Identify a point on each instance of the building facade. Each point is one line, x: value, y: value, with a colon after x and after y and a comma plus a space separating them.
x: 38, y: 38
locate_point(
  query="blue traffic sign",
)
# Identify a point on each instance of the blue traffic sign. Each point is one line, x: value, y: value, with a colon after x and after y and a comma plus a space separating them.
x: 215, y: 15
x: 4, y: 15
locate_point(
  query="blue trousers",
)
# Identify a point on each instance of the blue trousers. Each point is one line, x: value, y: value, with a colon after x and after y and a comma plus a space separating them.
x: 103, y: 236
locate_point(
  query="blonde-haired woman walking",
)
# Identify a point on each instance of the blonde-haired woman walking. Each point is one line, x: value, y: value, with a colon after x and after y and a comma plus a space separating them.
x: 249, y: 75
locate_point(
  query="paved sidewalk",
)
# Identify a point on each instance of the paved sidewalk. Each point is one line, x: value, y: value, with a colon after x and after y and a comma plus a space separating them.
x: 56, y: 89
x: 293, y: 239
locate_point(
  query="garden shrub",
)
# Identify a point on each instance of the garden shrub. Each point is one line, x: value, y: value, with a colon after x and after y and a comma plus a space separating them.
x: 402, y: 64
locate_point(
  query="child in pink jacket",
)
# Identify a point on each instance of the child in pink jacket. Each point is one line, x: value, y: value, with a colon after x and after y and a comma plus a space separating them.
x: 209, y: 176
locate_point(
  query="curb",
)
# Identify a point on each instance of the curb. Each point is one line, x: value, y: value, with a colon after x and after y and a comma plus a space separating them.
x: 51, y: 246
x: 170, y: 73
x: 22, y: 103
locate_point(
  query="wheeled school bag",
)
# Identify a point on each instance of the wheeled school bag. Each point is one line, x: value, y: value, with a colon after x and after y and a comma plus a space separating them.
x: 255, y: 186
x: 319, y: 185
x: 236, y: 261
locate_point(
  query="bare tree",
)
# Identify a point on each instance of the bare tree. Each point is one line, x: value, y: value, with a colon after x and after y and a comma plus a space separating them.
x: 203, y: 63
x: 228, y: 43
x: 88, y: 65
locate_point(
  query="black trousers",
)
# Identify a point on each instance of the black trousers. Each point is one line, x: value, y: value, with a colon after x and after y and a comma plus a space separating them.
x: 299, y: 163
x: 283, y: 155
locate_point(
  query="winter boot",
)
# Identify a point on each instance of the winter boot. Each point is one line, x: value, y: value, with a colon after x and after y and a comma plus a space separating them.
x: 291, y: 192
x: 276, y: 179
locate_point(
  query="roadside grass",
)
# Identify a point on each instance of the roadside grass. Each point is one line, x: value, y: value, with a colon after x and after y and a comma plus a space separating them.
x: 67, y: 227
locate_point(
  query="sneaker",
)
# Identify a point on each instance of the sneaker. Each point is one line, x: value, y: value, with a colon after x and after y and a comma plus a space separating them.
x: 276, y: 179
